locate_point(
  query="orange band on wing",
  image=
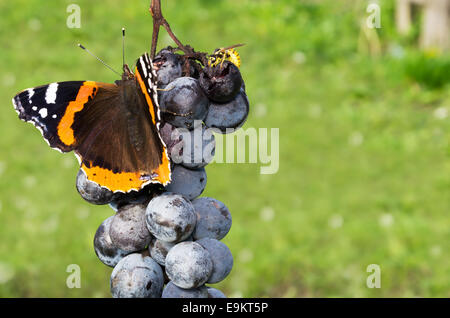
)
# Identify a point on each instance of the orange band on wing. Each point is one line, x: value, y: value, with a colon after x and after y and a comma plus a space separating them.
x: 121, y: 181
x: 163, y: 171
x: 126, y: 181
x: 147, y: 97
x: 65, y: 131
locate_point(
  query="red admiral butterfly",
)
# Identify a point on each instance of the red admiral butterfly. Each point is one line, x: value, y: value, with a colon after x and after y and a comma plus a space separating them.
x: 114, y: 129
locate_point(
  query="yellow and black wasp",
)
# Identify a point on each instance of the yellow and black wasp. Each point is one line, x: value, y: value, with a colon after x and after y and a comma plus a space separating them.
x: 225, y: 54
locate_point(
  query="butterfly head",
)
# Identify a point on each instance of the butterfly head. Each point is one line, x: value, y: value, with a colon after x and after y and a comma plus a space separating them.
x: 127, y: 74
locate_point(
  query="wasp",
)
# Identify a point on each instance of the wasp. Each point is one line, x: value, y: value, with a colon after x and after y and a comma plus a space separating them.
x: 225, y: 54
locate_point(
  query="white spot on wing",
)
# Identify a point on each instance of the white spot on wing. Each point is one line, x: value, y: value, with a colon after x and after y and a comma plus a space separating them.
x: 54, y: 116
x: 30, y: 94
x: 50, y: 94
x: 34, y: 108
x: 43, y: 112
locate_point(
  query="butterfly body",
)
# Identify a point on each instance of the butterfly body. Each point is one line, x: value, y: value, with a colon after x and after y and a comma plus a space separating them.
x: 113, y: 129
x: 132, y: 106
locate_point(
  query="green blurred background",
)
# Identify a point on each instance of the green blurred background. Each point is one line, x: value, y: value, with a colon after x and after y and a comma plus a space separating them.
x: 364, y: 172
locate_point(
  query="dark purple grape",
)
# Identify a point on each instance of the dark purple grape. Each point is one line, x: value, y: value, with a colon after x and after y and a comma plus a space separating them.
x: 171, y: 137
x: 215, y: 293
x: 231, y: 115
x: 221, y: 258
x: 173, y: 291
x: 198, y: 148
x: 188, y: 265
x: 168, y: 67
x: 213, y: 218
x: 187, y: 182
x: 170, y: 217
x: 106, y: 251
x: 221, y: 83
x: 191, y: 148
x: 128, y: 230
x: 158, y: 249
x: 183, y: 102
x: 137, y: 276
x: 91, y: 191
x: 134, y: 197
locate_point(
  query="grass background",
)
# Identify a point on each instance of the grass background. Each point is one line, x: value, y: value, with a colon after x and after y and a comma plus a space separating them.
x: 364, y: 172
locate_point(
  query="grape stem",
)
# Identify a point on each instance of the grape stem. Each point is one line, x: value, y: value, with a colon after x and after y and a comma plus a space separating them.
x: 158, y: 21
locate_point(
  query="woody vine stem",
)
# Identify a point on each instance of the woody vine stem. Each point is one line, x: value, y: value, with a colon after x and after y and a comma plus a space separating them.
x: 158, y: 21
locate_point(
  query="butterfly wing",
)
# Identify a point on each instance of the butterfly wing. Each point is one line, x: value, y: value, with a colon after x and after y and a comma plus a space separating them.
x: 52, y: 108
x: 146, y: 81
x: 136, y: 154
x: 114, y: 133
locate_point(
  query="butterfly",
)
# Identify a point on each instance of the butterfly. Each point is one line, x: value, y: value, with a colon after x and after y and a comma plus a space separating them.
x: 113, y: 129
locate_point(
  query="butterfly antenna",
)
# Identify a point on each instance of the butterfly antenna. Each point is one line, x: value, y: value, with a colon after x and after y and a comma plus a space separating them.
x: 123, y: 45
x: 82, y: 47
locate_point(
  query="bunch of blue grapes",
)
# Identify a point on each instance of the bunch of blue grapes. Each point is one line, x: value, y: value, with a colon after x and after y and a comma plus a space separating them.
x: 166, y: 241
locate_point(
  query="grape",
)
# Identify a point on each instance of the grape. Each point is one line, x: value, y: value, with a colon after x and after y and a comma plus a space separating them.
x: 187, y: 182
x: 183, y: 102
x: 215, y: 293
x: 170, y: 217
x: 213, y: 218
x: 221, y: 83
x: 201, y: 144
x: 137, y: 276
x: 221, y: 258
x: 168, y: 67
x: 134, y: 197
x: 158, y: 250
x: 188, y: 265
x: 173, y: 291
x: 192, y: 149
x: 106, y: 251
x: 91, y: 191
x: 128, y: 230
x: 230, y: 115
x: 171, y: 137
